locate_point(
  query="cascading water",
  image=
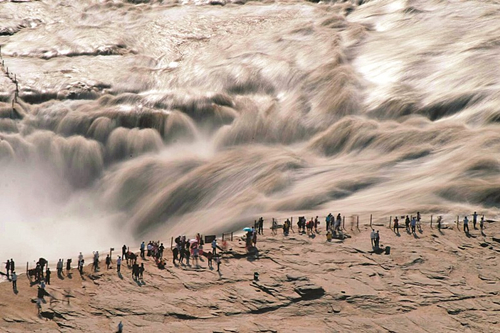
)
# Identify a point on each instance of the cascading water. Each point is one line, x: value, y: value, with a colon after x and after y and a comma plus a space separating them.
x: 143, y: 121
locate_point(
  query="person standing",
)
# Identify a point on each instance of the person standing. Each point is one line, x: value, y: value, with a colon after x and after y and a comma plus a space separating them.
x: 68, y: 265
x: 160, y: 250
x: 396, y: 225
x: 413, y: 225
x: 141, y: 271
x: 143, y: 248
x: 466, y: 225
x: 316, y: 224
x: 481, y: 224
x: 328, y: 220
x: 12, y: 265
x: 407, y: 224
x: 108, y: 261
x: 217, y: 260
x: 373, y: 236
x: 14, y: 281
x: 377, y: 240
x: 439, y: 221
x: 124, y: 251
x: 47, y: 275
x: 59, y: 267
x: 474, y: 220
x: 7, y: 267
x: 80, y: 261
x: 118, y: 264
x: 214, y: 246
x: 261, y: 226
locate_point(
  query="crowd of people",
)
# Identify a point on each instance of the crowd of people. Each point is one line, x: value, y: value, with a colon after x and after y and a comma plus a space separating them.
x: 186, y: 249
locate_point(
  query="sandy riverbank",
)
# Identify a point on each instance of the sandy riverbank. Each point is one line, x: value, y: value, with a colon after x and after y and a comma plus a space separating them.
x: 436, y: 282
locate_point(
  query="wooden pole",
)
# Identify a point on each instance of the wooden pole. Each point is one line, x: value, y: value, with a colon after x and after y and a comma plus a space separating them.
x: 357, y: 222
x: 370, y: 220
x: 171, y: 242
x: 431, y: 221
x: 390, y: 219
x: 458, y: 224
x: 231, y: 236
x: 343, y: 222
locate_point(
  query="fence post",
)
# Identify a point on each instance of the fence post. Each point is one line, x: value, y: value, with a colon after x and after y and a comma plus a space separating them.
x: 458, y: 223
x: 343, y: 222
x: 390, y: 219
x: 231, y: 236
x: 370, y: 220
x: 171, y: 242
x: 431, y: 221
x: 27, y: 269
x: 357, y: 222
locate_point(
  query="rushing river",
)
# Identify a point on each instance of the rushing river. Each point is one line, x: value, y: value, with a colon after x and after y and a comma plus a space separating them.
x: 143, y: 121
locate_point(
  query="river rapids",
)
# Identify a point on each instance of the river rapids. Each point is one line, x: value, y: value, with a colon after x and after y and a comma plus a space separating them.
x: 139, y: 120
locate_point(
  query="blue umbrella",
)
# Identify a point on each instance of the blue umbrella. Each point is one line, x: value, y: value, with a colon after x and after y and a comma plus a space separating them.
x: 247, y: 229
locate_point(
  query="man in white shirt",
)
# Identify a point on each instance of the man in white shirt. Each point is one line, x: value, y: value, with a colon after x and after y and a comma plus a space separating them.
x: 373, y: 236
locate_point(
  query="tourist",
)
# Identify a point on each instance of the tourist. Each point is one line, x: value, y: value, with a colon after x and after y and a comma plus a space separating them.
x: 118, y: 264
x: 413, y: 225
x: 377, y: 240
x: 124, y: 251
x: 14, y: 281
x: 338, y: 222
x: 196, y: 252
x: 80, y: 261
x: 396, y: 225
x: 274, y: 227
x: 135, y: 271
x: 217, y: 260
x: 149, y: 248
x: 143, y: 248
x: 328, y: 220
x: 7, y: 268
x: 261, y: 226
x: 59, y: 267
x: 47, y: 275
x: 329, y: 235
x: 407, y: 224
x: 466, y: 225
x: 439, y: 222
x: 187, y: 253
x: 474, y: 220
x: 120, y: 327
x: 68, y: 265
x: 160, y: 250
x: 210, y: 256
x: 481, y: 224
x: 373, y: 236
x: 12, y: 265
x: 141, y: 271
x: 214, y: 246
x: 108, y: 261
x: 316, y: 224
